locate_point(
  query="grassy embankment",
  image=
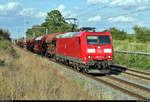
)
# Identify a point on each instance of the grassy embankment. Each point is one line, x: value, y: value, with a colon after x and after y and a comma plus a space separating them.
x: 132, y: 61
x: 27, y: 77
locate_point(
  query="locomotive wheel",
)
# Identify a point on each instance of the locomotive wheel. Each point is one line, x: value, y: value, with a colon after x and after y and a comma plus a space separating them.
x: 85, y: 70
x: 46, y: 54
x: 78, y: 69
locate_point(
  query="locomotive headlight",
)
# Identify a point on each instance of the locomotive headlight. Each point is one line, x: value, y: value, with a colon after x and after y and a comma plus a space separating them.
x: 108, y: 56
x: 91, y: 50
x: 90, y: 56
x: 107, y: 50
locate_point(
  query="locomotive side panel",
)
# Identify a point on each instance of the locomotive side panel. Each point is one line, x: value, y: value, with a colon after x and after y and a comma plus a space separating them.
x: 69, y: 48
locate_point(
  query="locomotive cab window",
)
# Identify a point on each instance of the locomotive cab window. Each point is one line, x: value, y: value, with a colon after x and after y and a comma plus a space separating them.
x: 98, y: 40
x: 104, y: 40
x: 92, y: 40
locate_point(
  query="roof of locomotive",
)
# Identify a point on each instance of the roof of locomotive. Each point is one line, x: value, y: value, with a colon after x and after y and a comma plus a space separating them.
x: 76, y: 34
x: 68, y: 35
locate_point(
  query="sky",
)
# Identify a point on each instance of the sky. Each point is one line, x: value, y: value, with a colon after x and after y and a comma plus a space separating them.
x: 17, y: 16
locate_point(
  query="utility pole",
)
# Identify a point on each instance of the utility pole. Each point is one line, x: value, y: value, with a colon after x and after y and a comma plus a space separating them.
x: 46, y: 31
x: 72, y: 21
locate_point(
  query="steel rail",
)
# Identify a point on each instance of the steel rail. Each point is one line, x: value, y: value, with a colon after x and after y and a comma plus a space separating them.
x: 129, y: 83
x: 138, y: 71
x: 137, y: 75
x: 121, y: 68
x: 129, y: 52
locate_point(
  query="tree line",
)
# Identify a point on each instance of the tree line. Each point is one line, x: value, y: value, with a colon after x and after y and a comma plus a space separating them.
x: 141, y: 34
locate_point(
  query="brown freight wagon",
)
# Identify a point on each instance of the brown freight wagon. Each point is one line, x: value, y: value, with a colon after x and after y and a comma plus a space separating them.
x: 31, y: 47
x: 36, y: 43
x: 50, y: 44
x: 20, y: 43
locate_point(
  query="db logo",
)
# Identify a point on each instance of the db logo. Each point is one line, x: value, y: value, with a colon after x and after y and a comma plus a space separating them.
x: 99, y: 51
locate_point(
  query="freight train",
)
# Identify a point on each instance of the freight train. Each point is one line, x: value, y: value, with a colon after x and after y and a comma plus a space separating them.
x: 81, y: 50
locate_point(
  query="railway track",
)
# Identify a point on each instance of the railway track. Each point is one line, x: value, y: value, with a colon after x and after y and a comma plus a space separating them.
x: 106, y: 80
x: 132, y: 87
x: 132, y: 72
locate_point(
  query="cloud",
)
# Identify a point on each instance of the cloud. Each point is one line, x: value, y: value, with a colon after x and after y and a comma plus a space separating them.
x: 121, y: 19
x: 77, y: 8
x: 94, y: 19
x: 136, y: 5
x: 41, y: 15
x: 131, y: 4
x: 32, y: 12
x: 66, y: 13
x: 27, y: 12
x: 61, y: 7
x: 15, y: 9
x: 95, y: 2
x: 9, y: 8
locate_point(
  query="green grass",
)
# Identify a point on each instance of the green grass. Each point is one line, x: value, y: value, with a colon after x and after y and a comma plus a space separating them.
x: 130, y: 60
x: 131, y: 46
x: 7, y: 46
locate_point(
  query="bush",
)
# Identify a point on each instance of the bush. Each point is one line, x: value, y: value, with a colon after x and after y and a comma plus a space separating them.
x: 2, y: 62
x: 142, y: 33
x: 4, y: 34
x: 131, y: 37
x: 117, y: 34
x: 136, y: 61
x: 6, y: 45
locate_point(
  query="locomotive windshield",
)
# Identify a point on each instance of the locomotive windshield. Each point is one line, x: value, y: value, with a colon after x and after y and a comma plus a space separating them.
x: 98, y: 40
x: 92, y: 40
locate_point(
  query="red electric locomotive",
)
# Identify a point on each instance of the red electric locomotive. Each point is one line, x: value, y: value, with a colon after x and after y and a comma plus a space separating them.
x: 85, y: 50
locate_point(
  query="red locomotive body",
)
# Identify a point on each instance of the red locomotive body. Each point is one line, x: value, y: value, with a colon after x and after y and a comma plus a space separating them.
x: 85, y: 50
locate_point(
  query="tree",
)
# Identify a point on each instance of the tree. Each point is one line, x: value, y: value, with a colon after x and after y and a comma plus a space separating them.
x: 117, y: 34
x: 54, y: 22
x: 4, y: 34
x: 142, y: 33
x: 35, y: 31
